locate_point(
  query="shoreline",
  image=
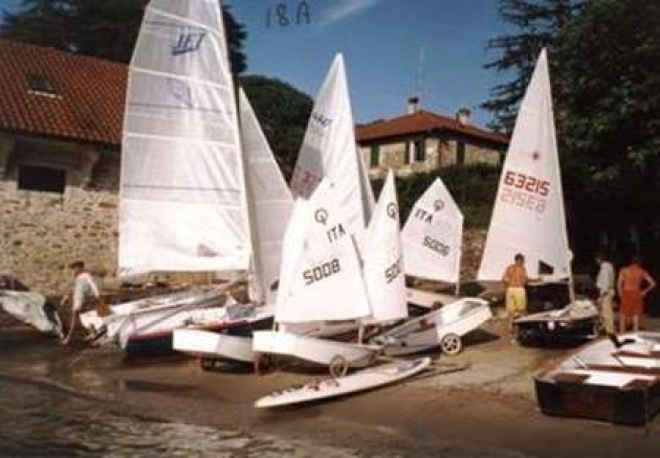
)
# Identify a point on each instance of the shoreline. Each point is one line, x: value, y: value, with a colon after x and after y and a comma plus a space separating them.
x: 489, y: 409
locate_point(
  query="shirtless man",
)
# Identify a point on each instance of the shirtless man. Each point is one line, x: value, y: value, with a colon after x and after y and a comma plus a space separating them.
x: 515, y: 278
x: 631, y: 293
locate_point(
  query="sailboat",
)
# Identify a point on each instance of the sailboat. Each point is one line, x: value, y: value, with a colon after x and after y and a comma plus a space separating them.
x: 529, y: 216
x: 328, y: 152
x: 190, y: 198
x: 433, y: 237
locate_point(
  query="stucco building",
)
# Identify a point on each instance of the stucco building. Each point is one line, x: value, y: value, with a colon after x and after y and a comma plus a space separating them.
x: 422, y: 141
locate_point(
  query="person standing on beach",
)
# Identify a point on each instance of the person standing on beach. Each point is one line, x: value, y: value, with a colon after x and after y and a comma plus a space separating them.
x: 84, y: 289
x: 631, y: 293
x: 605, y: 286
x: 515, y: 278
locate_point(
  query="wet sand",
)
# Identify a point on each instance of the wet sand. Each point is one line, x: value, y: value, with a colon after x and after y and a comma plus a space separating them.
x: 488, y: 409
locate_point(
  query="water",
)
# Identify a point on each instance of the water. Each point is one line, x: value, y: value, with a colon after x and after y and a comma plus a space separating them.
x: 43, y: 417
x: 39, y: 420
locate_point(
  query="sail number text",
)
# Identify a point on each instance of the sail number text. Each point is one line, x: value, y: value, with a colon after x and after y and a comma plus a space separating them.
x: 436, y: 245
x: 321, y: 272
x: 525, y: 191
x: 393, y: 271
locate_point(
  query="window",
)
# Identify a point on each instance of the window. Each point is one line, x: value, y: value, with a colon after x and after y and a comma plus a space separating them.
x: 374, y: 157
x: 44, y: 179
x: 460, y: 153
x: 406, y: 153
x: 420, y: 150
x: 39, y: 83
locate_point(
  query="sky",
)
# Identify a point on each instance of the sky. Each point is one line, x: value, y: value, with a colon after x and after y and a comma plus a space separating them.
x: 392, y: 48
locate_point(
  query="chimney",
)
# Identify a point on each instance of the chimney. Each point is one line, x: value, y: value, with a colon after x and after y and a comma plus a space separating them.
x: 413, y: 104
x: 463, y: 116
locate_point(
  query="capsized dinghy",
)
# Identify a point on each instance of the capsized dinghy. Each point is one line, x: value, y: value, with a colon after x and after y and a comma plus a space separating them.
x: 616, y: 379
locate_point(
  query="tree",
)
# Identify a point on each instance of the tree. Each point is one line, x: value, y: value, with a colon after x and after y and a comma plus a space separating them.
x: 283, y: 112
x: 102, y: 28
x: 539, y: 22
x: 609, y: 119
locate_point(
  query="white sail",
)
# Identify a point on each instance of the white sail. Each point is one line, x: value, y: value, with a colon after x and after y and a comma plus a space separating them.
x: 329, y: 152
x: 383, y: 258
x: 270, y: 198
x: 528, y: 217
x: 183, y: 202
x: 433, y: 235
x: 321, y: 278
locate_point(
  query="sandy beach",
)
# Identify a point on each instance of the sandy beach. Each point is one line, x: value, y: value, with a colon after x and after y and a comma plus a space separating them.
x: 487, y: 409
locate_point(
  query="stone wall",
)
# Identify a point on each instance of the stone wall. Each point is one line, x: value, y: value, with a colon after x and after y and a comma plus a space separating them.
x: 42, y: 232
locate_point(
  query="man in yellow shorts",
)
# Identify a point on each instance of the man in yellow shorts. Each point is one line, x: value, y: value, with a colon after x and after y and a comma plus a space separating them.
x: 515, y: 278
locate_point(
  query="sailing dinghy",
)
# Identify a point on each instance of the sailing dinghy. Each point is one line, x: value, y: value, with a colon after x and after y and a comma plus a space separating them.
x: 320, y: 281
x: 328, y: 152
x: 529, y: 215
x: 615, y: 379
x: 187, y: 199
x: 432, y: 239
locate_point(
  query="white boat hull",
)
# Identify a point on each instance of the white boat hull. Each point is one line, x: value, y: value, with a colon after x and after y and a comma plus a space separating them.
x: 428, y: 331
x: 428, y: 299
x: 311, y: 349
x: 360, y: 381
x: 208, y: 344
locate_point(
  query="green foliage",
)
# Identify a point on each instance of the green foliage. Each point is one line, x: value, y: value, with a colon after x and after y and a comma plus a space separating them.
x: 283, y: 112
x: 473, y: 188
x: 609, y: 119
x: 538, y: 23
x: 101, y: 28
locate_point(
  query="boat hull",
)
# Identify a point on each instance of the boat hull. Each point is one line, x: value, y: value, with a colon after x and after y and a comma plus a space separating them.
x: 161, y: 343
x: 428, y: 331
x: 311, y: 349
x: 597, y: 383
x: 205, y: 344
x: 633, y: 405
x: 575, y: 322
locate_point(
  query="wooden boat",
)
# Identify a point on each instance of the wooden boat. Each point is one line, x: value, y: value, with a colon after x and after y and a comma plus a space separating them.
x: 615, y: 379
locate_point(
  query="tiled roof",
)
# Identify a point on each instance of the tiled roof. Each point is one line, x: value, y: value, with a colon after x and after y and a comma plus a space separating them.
x: 422, y: 121
x: 88, y: 100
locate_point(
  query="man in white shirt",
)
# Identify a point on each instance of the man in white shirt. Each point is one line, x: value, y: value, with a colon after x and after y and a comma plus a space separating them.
x: 84, y: 288
x: 605, y: 286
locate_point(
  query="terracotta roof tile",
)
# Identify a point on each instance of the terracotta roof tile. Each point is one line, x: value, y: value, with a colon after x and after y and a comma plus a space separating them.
x: 88, y: 104
x: 422, y: 121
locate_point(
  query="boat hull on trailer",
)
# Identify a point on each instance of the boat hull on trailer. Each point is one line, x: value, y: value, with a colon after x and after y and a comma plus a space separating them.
x: 435, y: 328
x: 603, y: 382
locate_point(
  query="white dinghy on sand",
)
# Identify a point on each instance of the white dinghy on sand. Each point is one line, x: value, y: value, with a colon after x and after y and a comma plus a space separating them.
x: 320, y: 281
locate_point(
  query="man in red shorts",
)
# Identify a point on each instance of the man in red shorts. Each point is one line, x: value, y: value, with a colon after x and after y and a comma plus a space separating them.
x: 629, y: 286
